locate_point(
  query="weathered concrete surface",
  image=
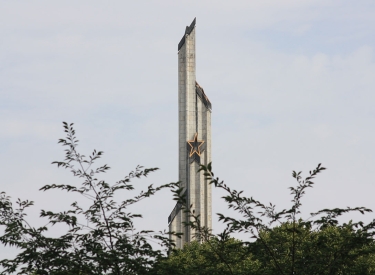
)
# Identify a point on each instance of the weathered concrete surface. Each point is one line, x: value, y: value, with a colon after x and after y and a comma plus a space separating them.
x: 194, y: 117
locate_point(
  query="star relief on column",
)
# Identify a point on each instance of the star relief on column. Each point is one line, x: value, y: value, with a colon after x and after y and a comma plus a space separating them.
x: 196, y: 148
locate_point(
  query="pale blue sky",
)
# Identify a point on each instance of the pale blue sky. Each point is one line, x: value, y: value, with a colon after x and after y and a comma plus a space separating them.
x: 291, y: 82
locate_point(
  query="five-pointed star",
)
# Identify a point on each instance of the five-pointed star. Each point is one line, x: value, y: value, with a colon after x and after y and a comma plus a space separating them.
x: 195, y: 145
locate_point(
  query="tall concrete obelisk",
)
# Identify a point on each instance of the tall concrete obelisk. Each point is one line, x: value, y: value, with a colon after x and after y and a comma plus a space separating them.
x: 194, y: 114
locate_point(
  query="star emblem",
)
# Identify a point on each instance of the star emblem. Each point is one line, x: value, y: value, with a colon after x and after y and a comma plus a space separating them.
x: 195, y: 146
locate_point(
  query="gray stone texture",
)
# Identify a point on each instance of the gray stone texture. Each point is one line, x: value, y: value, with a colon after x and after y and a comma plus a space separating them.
x: 194, y: 117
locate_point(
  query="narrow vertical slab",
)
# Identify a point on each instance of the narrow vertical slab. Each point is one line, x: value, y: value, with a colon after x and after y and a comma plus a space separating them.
x: 194, y: 114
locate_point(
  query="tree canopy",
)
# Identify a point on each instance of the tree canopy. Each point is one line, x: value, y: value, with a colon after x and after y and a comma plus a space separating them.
x: 101, y: 238
x: 330, y: 250
x: 287, y: 241
x: 205, y: 259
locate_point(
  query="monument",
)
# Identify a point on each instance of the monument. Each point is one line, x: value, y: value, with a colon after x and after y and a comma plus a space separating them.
x: 194, y: 114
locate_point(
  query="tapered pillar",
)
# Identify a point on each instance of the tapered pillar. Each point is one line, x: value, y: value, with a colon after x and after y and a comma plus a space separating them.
x: 194, y: 118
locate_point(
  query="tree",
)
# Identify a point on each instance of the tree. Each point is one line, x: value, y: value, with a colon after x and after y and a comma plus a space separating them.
x: 334, y: 249
x: 331, y: 250
x: 101, y: 238
x: 202, y: 259
x: 286, y: 242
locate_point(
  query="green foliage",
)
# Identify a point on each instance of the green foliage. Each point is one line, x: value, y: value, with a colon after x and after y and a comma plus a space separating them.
x: 204, y: 259
x: 328, y: 250
x: 285, y: 241
x: 101, y: 238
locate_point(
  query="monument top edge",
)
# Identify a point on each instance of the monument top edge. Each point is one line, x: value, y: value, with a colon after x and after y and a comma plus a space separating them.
x: 188, y: 30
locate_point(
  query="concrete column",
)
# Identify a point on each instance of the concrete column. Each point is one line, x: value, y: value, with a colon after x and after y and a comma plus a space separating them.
x: 194, y: 117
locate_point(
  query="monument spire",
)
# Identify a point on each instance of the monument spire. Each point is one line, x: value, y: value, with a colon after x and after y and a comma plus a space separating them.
x: 194, y: 114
